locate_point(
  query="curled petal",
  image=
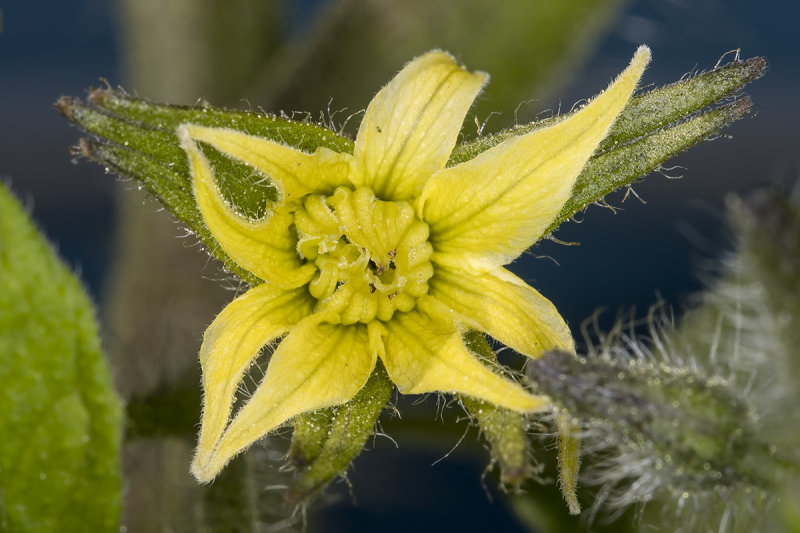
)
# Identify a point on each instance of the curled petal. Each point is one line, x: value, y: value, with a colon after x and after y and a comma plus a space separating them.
x: 319, y: 364
x: 493, y: 207
x: 502, y: 305
x: 232, y: 342
x: 264, y: 247
x: 295, y: 173
x: 412, y: 124
x: 424, y: 352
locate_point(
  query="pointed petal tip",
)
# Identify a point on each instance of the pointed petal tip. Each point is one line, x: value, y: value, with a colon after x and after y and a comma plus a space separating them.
x: 642, y: 56
x: 411, y: 126
x: 535, y: 404
x: 184, y: 139
x: 200, y: 469
x: 447, y: 57
x: 443, y: 55
x: 516, y: 398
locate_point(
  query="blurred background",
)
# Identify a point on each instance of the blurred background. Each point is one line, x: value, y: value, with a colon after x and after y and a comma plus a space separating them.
x: 156, y: 291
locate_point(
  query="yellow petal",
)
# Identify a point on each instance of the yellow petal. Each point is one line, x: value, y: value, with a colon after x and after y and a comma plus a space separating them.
x: 504, y: 306
x: 264, y: 247
x: 412, y: 124
x: 295, y: 173
x: 424, y: 352
x: 317, y: 365
x: 497, y: 205
x: 233, y: 341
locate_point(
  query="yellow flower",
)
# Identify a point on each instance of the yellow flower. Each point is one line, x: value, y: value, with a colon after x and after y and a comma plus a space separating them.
x: 386, y: 253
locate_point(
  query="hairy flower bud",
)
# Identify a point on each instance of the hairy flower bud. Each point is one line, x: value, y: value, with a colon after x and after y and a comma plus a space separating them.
x: 703, y: 416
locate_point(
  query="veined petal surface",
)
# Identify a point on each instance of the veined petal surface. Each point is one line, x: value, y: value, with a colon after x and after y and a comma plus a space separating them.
x: 424, y: 352
x: 264, y: 247
x: 319, y: 364
x: 412, y: 124
x: 295, y: 173
x: 504, y: 306
x: 232, y: 342
x: 497, y: 205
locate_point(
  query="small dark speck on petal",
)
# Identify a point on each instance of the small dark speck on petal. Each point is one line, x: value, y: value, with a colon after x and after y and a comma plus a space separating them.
x: 379, y: 129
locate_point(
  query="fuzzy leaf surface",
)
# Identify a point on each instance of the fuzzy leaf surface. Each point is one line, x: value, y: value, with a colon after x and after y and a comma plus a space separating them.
x: 59, y: 416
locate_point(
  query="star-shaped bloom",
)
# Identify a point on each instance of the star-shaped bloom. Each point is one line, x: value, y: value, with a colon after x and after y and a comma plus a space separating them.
x: 386, y: 253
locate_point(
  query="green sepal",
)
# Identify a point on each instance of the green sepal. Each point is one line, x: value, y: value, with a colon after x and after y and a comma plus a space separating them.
x: 618, y: 167
x: 60, y: 419
x: 309, y: 434
x: 136, y: 139
x: 569, y: 460
x: 652, y: 128
x: 325, y: 442
x: 675, y: 102
x: 503, y: 429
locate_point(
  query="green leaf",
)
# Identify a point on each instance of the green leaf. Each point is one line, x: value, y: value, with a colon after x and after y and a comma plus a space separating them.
x: 325, y: 442
x: 59, y: 416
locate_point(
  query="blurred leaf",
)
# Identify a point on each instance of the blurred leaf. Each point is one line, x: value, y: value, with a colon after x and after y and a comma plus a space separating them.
x: 768, y: 225
x: 183, y: 49
x: 60, y: 418
x: 790, y: 506
x: 355, y: 46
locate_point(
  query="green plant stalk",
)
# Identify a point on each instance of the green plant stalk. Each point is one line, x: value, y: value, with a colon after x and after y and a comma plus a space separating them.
x: 326, y: 442
x: 504, y: 430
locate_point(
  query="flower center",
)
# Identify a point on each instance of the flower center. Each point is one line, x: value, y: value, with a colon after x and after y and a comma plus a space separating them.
x: 372, y: 256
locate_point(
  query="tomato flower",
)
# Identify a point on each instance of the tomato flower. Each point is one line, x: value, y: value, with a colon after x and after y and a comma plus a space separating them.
x: 386, y: 253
